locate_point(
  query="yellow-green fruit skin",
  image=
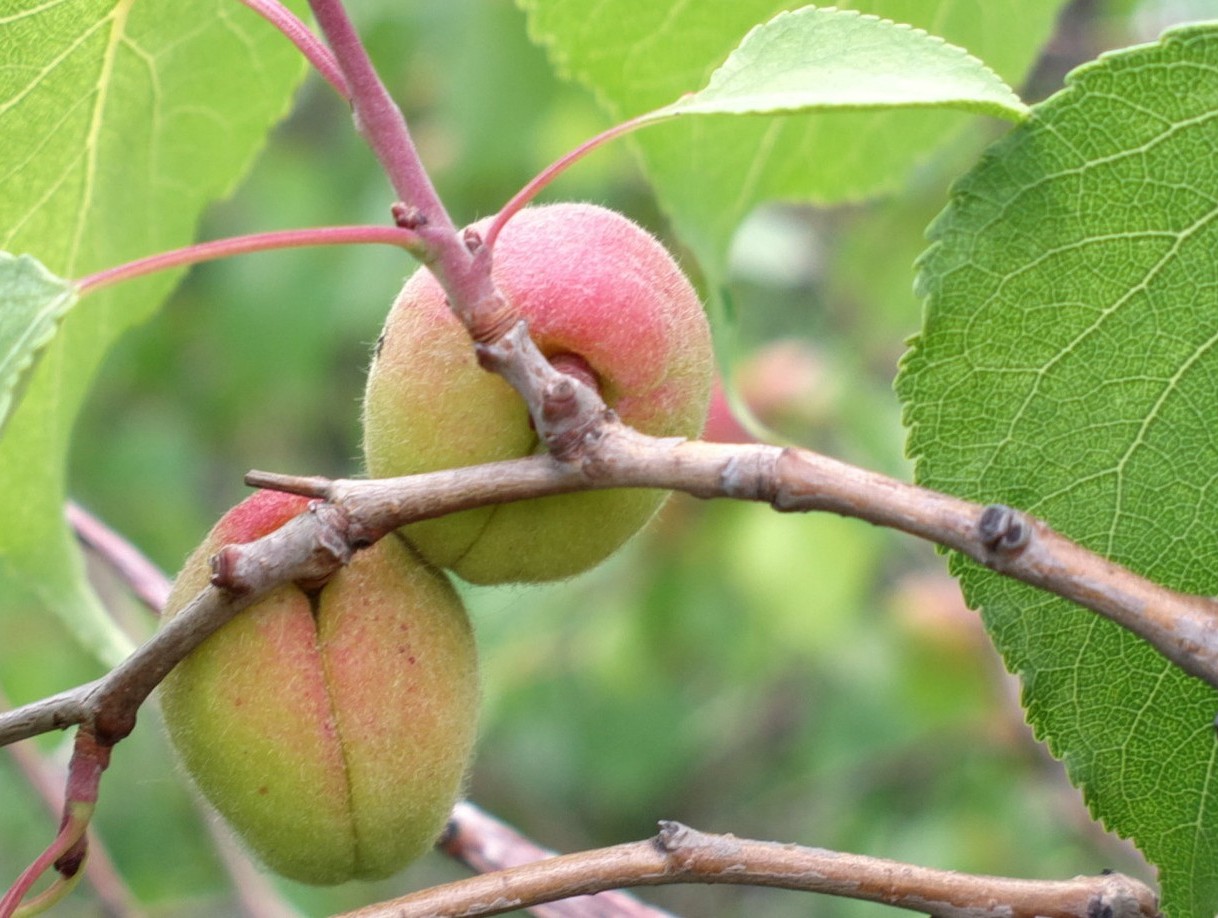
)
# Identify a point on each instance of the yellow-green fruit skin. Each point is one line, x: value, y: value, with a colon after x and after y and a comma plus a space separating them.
x: 590, y: 283
x: 332, y: 731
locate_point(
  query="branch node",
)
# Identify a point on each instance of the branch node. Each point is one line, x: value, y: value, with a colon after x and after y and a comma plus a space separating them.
x: 1003, y: 529
x: 752, y: 475
x: 491, y: 326
x: 1119, y: 897
x: 407, y: 216
x: 558, y: 399
x: 669, y: 836
x: 225, y: 565
x: 242, y: 568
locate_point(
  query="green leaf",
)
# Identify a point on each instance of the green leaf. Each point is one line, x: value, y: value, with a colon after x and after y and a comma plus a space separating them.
x: 828, y: 59
x: 709, y: 172
x: 32, y: 301
x: 119, y: 123
x: 1068, y: 365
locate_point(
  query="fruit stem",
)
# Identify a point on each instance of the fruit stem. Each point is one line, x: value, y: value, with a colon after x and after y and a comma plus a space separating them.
x: 378, y: 118
x: 552, y: 171
x: 465, y: 277
x: 305, y: 41
x: 71, y: 831
x: 240, y: 245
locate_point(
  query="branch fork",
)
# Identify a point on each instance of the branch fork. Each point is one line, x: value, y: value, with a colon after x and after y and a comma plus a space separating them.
x: 567, y: 411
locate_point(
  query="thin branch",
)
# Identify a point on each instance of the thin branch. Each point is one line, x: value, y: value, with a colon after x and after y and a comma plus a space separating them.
x: 47, y: 780
x: 242, y: 245
x: 458, y: 259
x: 142, y: 577
x: 552, y: 171
x: 485, y: 844
x: 56, y: 712
x: 1181, y: 626
x: 305, y: 41
x: 377, y: 116
x: 679, y: 854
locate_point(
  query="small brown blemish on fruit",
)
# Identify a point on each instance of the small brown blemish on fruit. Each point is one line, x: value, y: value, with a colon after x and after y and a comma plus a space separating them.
x: 264, y: 790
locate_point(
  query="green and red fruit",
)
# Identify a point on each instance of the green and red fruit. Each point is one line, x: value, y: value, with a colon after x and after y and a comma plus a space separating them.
x: 592, y: 285
x: 332, y: 729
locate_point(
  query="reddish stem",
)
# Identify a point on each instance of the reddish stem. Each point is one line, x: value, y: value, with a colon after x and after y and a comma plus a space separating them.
x: 378, y: 117
x: 308, y: 44
x: 71, y: 832
x: 462, y: 270
x: 552, y: 171
x: 142, y: 577
x: 66, y: 853
x: 241, y: 245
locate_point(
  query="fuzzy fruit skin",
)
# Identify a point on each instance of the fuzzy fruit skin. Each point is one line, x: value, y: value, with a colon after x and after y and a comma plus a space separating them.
x: 333, y: 735
x: 590, y: 283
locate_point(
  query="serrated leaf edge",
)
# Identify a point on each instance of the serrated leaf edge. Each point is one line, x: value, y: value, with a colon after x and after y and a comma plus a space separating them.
x: 1017, y: 109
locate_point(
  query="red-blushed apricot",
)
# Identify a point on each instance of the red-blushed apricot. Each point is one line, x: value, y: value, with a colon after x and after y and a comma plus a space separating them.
x: 590, y: 283
x: 331, y: 729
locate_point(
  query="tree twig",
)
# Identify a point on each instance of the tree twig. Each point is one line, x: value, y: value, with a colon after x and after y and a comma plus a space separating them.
x: 305, y: 41
x: 145, y: 580
x: 679, y: 854
x: 483, y: 843
x: 377, y: 117
x: 1181, y: 626
x: 47, y: 780
x: 257, y: 895
x: 458, y: 259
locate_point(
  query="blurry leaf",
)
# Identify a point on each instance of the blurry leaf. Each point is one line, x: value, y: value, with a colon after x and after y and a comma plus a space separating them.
x: 32, y: 301
x: 814, y: 59
x: 805, y: 578
x: 1067, y: 365
x: 119, y: 123
x: 637, y: 55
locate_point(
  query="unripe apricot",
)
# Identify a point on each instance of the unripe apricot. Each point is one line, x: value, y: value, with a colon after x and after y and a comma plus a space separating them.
x: 331, y: 729
x: 591, y: 284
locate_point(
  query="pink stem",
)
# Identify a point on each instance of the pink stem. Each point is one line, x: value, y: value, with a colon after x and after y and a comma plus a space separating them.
x: 459, y: 261
x: 309, y: 44
x: 547, y: 175
x: 70, y: 833
x: 67, y: 851
x: 240, y: 245
x: 141, y: 576
x: 379, y: 119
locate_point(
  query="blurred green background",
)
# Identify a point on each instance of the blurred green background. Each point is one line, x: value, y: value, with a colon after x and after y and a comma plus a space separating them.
x: 801, y: 678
